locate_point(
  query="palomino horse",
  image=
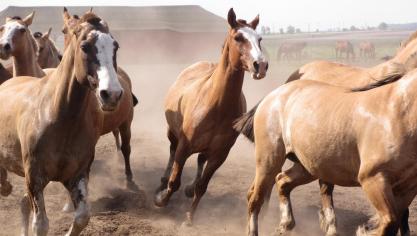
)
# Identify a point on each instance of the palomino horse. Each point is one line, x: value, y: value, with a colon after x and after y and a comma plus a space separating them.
x: 365, y: 137
x: 17, y: 41
x: 201, y: 106
x: 48, y: 130
x: 346, y: 47
x: 350, y: 76
x: 291, y: 50
x: 367, y: 50
x: 48, y: 54
x: 119, y: 120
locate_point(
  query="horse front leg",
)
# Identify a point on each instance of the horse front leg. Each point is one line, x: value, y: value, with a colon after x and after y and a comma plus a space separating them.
x: 5, y: 186
x: 79, y: 191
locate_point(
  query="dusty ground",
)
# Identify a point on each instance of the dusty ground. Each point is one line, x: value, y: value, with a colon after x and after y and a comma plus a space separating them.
x: 117, y: 211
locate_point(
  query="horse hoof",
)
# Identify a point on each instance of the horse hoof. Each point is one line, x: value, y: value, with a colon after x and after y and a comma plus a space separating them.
x: 68, y: 208
x: 6, y: 189
x: 132, y: 186
x: 284, y: 228
x: 189, y: 191
x: 188, y: 221
x: 161, y: 198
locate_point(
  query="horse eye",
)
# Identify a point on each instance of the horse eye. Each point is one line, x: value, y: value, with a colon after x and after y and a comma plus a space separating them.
x: 260, y: 39
x: 239, y: 38
x: 22, y: 30
x: 40, y: 49
x: 85, y: 47
x: 116, y: 45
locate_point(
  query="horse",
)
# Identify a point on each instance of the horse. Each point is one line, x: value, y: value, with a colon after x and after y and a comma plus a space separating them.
x: 48, y: 54
x: 119, y: 121
x: 291, y: 50
x: 201, y: 106
x: 49, y: 131
x: 367, y: 50
x: 344, y: 46
x: 361, y: 137
x: 16, y: 32
x: 350, y: 77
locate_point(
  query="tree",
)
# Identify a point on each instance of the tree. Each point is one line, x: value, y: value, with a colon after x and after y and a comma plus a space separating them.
x: 383, y: 26
x: 290, y: 29
x: 281, y: 30
x: 298, y: 30
x: 353, y: 28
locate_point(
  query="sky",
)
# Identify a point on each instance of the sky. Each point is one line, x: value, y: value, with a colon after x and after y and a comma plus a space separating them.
x: 303, y: 14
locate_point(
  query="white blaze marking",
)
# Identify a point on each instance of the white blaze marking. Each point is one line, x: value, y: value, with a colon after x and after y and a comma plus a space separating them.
x: 9, y: 30
x: 253, y: 38
x: 106, y: 73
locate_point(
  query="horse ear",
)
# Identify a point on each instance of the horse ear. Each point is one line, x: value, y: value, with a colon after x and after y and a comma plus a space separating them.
x: 65, y: 15
x: 254, y: 22
x: 231, y: 18
x: 91, y: 10
x: 28, y: 19
x: 46, y: 35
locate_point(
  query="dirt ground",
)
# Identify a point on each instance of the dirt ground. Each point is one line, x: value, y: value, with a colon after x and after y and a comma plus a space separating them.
x: 222, y: 211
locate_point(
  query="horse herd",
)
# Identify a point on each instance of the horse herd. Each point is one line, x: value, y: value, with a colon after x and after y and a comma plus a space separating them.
x: 340, y: 124
x: 294, y: 50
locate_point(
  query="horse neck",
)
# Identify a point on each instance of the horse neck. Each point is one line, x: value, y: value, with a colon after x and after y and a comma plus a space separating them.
x: 53, y: 60
x: 227, y: 81
x: 4, y: 74
x: 25, y: 62
x: 404, y: 53
x: 70, y: 98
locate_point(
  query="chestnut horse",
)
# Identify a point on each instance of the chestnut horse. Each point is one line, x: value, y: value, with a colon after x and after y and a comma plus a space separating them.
x: 367, y: 50
x: 291, y: 50
x: 17, y: 41
x: 48, y: 54
x: 49, y: 131
x: 344, y: 46
x: 364, y: 137
x: 120, y: 120
x: 201, y: 106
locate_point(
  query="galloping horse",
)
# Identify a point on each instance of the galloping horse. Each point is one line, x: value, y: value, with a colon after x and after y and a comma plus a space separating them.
x: 201, y: 106
x: 344, y: 46
x: 48, y: 54
x: 348, y: 76
x: 364, y: 137
x: 367, y: 50
x: 119, y: 120
x: 49, y: 131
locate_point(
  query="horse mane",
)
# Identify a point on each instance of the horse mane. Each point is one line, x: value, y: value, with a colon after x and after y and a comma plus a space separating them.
x: 16, y: 18
x: 407, y: 41
x: 92, y: 19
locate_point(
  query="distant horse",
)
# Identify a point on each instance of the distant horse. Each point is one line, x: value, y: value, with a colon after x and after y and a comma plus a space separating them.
x: 48, y: 130
x: 361, y: 137
x: 367, y: 50
x: 201, y: 106
x: 48, y: 54
x: 291, y: 50
x: 346, y: 47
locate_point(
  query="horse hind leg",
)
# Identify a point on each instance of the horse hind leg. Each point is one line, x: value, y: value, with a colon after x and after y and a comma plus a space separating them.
x: 379, y: 192
x: 79, y: 191
x: 326, y: 214
x: 5, y: 186
x: 125, y: 135
x: 286, y: 181
x: 189, y: 189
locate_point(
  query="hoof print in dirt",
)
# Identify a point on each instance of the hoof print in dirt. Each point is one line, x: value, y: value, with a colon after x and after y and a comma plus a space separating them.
x: 120, y: 200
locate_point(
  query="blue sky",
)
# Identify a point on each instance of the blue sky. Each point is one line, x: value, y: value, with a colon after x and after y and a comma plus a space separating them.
x: 322, y: 14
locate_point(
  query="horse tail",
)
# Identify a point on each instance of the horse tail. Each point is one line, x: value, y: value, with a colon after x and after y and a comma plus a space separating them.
x: 135, y: 100
x: 244, y: 124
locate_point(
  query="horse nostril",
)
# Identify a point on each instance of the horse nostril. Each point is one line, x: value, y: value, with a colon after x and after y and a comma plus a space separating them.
x: 7, y: 46
x: 104, y: 94
x: 256, y: 66
x: 267, y: 66
x: 120, y: 95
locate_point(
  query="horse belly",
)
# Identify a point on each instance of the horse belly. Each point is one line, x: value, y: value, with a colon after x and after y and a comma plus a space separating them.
x: 11, y: 158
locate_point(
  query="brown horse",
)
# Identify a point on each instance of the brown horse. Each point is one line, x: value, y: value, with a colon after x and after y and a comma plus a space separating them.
x: 201, y: 106
x: 17, y: 41
x: 48, y: 54
x: 350, y: 76
x: 367, y: 50
x: 344, y: 46
x: 120, y: 120
x: 364, y: 137
x: 291, y: 50
x: 49, y: 131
